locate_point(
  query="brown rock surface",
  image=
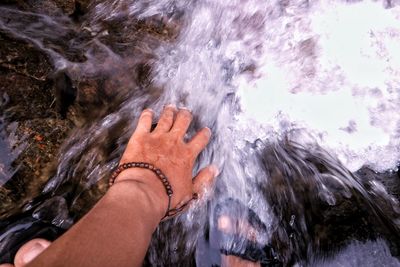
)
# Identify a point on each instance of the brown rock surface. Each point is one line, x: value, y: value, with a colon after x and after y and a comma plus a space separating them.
x: 24, y: 79
x: 36, y: 99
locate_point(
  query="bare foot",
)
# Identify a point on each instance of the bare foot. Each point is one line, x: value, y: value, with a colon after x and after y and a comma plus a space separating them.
x: 226, y: 225
x: 233, y: 261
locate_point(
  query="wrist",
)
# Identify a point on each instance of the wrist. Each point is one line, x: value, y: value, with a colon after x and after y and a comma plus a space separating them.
x: 134, y: 183
x: 141, y: 175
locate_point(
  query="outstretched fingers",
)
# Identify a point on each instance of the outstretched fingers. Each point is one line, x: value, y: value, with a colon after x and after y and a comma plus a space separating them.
x: 200, y: 141
x: 181, y: 125
x: 204, y: 180
x: 145, y: 122
x: 166, y: 119
x: 201, y: 183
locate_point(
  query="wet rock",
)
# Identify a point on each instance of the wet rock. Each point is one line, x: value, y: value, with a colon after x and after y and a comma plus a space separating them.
x: 73, y: 8
x: 43, y: 138
x: 14, y: 236
x: 65, y: 92
x: 82, y: 6
x: 331, y: 206
x: 22, y: 58
x: 24, y: 73
x: 55, y: 211
x: 47, y: 105
x: 67, y: 6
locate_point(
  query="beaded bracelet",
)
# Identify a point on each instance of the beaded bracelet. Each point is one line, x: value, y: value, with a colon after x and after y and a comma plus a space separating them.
x: 160, y: 175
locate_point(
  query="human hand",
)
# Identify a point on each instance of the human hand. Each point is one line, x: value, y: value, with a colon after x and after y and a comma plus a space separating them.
x: 165, y: 148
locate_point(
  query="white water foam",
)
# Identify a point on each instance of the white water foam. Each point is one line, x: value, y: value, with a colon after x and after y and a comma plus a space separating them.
x: 331, y: 74
x: 294, y: 70
x: 327, y: 71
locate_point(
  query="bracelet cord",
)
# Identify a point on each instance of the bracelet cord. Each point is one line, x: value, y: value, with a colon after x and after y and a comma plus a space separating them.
x: 168, y: 188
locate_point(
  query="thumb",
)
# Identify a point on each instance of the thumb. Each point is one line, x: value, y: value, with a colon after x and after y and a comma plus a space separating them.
x: 29, y: 251
x: 204, y: 179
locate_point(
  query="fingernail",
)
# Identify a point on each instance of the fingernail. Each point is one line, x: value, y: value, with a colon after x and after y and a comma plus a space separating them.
x: 209, y: 131
x: 149, y: 110
x: 33, y: 252
x: 170, y: 106
x: 185, y: 108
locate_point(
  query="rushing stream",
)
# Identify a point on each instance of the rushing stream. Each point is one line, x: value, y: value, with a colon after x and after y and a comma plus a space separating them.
x: 302, y: 98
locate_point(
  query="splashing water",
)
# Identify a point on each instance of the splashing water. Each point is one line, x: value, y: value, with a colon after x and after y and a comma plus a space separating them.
x: 336, y: 76
x: 286, y: 87
x: 9, y: 145
x: 10, y: 148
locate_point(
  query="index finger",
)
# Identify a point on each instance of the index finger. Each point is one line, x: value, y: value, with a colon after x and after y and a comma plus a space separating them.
x: 144, y: 122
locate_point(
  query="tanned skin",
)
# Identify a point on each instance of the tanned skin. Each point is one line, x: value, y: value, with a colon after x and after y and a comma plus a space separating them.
x: 117, y: 230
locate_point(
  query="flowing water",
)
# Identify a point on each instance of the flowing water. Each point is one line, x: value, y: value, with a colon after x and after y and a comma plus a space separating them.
x: 300, y: 95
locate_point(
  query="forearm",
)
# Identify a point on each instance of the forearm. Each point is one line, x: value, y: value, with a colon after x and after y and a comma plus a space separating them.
x: 116, y: 232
